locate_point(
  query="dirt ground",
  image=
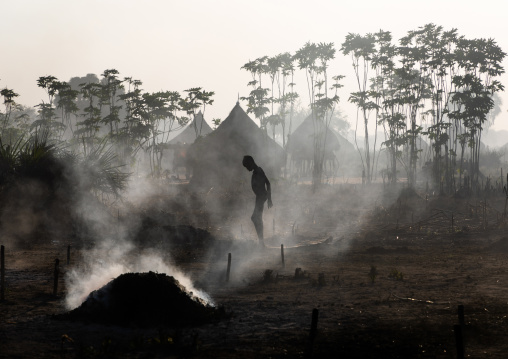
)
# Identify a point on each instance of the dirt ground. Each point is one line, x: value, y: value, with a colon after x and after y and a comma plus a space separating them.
x: 386, y: 274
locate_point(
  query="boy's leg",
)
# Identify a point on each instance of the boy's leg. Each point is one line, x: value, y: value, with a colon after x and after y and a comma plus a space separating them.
x: 257, y: 217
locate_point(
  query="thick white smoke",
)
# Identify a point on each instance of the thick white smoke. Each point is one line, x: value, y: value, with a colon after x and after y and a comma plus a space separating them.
x: 114, y: 253
x: 110, y: 260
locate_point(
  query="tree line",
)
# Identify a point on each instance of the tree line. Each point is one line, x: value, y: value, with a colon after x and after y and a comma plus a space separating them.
x: 434, y: 85
x: 89, y: 113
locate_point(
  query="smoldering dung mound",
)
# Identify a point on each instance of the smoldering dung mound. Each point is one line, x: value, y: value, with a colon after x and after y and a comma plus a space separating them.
x: 144, y: 299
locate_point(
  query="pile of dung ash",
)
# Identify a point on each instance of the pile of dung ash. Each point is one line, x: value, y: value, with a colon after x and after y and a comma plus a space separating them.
x: 144, y: 299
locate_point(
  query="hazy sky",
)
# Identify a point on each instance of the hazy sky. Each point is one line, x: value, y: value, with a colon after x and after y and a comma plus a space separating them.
x: 176, y: 45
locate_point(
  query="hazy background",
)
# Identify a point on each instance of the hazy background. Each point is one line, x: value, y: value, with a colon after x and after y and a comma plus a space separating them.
x: 176, y: 45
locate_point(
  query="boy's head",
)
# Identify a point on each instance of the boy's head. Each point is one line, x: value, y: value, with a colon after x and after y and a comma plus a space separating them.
x: 248, y: 162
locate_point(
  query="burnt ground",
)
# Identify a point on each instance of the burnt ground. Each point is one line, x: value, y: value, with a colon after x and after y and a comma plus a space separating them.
x: 386, y: 273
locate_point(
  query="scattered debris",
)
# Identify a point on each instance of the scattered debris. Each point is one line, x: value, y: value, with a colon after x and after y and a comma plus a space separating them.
x: 413, y: 299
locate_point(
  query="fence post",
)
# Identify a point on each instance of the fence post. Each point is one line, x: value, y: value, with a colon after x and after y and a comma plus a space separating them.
x: 55, y: 277
x: 229, y: 267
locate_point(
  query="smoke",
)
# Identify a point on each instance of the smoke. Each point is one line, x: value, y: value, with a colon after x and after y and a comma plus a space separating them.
x: 222, y: 205
x: 30, y: 210
x: 115, y: 251
x: 111, y: 259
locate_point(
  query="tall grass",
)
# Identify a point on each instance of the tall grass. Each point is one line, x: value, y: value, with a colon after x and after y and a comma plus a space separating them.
x: 9, y: 155
x: 38, y: 157
x: 102, y: 171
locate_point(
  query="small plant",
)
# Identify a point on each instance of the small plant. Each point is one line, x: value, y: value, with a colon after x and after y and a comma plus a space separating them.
x: 396, y: 274
x: 321, y: 280
x: 373, y: 273
x: 298, y: 273
x: 268, y: 275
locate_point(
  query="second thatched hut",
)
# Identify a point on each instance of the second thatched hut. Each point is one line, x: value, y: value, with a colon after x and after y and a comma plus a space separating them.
x: 179, y: 145
x: 217, y: 158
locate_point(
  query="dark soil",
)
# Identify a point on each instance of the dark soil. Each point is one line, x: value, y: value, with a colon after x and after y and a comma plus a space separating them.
x: 425, y: 266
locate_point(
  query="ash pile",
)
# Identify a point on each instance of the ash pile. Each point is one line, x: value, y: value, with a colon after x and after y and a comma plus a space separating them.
x: 144, y: 299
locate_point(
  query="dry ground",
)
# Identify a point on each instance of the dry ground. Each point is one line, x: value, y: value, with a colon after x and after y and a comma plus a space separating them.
x: 394, y: 272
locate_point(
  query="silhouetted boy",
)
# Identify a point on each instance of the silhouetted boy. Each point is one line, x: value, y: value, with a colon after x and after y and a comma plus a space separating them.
x: 262, y: 193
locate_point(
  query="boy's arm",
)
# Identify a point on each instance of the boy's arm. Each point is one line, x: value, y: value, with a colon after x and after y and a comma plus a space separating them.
x: 269, y: 191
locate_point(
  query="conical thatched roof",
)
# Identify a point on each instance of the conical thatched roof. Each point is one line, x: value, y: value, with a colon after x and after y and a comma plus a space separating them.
x: 217, y: 158
x: 301, y: 142
x: 197, y: 126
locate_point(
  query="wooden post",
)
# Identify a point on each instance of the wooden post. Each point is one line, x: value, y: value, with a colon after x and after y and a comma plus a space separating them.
x: 460, y: 312
x: 2, y: 273
x: 229, y: 267
x: 313, y: 325
x: 68, y: 254
x: 282, y: 255
x: 459, y: 341
x: 485, y: 214
x: 298, y: 273
x: 321, y: 279
x: 55, y: 278
x: 452, y: 222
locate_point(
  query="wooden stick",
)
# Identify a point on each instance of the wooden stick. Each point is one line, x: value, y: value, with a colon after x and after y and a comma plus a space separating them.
x: 229, y: 267
x: 282, y: 255
x: 2, y: 273
x: 55, y: 277
x: 459, y: 341
x: 313, y: 325
x: 68, y: 254
x: 460, y: 311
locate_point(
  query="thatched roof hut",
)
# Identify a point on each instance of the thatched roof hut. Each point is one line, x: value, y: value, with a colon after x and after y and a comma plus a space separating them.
x: 179, y: 145
x: 301, y: 142
x: 217, y: 158
x: 197, y: 127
